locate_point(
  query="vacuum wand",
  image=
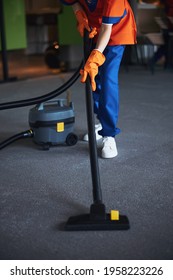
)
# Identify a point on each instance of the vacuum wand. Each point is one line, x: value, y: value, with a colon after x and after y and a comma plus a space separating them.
x: 97, y: 218
x: 97, y: 194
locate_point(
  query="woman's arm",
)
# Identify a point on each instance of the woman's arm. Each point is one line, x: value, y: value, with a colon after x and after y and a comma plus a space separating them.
x: 104, y: 37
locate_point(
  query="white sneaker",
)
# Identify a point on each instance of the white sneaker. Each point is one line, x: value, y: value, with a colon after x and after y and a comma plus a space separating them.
x: 109, y: 147
x: 98, y: 137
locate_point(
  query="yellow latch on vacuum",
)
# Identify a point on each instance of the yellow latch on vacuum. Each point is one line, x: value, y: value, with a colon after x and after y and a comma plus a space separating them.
x: 60, y: 127
x: 115, y: 215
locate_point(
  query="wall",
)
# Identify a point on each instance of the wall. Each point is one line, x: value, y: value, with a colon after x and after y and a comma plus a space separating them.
x: 68, y: 34
x: 42, y: 6
x: 15, y: 27
x: 69, y: 39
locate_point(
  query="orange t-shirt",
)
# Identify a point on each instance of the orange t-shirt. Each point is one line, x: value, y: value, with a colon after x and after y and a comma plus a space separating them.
x: 116, y: 12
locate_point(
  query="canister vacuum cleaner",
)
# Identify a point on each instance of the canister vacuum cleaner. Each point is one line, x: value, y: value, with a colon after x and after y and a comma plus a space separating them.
x: 51, y: 122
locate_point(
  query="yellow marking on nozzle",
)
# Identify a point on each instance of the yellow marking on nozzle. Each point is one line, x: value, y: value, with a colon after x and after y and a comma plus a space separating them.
x: 115, y: 215
x: 60, y: 127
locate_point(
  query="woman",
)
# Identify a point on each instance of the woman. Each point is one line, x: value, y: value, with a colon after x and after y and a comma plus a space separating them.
x: 112, y: 26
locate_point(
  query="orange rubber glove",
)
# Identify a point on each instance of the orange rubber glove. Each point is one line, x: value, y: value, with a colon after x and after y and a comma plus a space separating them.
x: 93, y: 33
x: 83, y: 24
x: 95, y: 60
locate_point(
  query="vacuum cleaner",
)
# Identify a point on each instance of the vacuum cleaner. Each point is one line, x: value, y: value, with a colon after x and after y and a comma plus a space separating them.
x: 97, y: 218
x: 51, y: 123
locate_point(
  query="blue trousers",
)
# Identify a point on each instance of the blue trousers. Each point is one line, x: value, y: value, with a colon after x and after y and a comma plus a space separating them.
x: 106, y: 96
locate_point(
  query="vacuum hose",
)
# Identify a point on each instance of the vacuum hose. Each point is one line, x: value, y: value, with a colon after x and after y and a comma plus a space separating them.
x: 43, y: 98
x: 25, y: 134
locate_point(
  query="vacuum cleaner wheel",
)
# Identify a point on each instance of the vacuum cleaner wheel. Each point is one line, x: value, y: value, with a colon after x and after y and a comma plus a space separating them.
x: 71, y: 139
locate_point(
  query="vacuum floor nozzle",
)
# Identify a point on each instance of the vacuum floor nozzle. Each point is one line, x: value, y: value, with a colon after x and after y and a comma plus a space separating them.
x: 84, y: 222
x: 97, y: 220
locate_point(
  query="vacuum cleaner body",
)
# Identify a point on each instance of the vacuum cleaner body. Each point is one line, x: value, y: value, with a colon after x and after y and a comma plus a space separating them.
x: 52, y: 123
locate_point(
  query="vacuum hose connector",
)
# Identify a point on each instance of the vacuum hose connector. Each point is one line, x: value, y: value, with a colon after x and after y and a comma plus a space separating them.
x: 25, y: 134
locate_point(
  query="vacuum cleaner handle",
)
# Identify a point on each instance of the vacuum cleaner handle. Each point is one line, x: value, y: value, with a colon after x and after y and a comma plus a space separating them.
x: 97, y: 219
x: 60, y: 102
x: 97, y: 195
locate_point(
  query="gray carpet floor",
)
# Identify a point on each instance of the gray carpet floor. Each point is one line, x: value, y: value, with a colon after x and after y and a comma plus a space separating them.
x: 40, y: 190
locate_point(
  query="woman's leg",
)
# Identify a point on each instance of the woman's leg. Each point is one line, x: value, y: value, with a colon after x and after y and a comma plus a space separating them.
x: 106, y: 97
